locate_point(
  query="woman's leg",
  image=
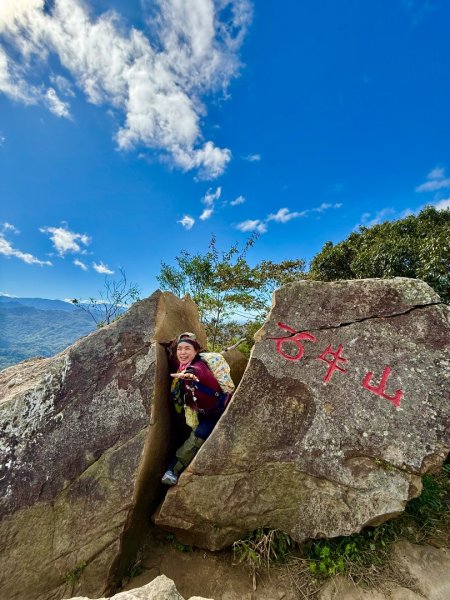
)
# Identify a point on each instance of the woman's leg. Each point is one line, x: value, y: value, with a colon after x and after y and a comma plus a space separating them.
x: 189, y: 449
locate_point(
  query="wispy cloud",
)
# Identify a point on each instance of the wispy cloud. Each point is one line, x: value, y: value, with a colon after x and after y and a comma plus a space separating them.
x: 64, y: 86
x: 442, y: 204
x: 55, y: 104
x: 153, y: 81
x: 252, y: 157
x: 102, y: 268
x: 8, y: 250
x: 252, y: 225
x: 187, y: 222
x: 208, y: 200
x: 65, y: 241
x: 79, y: 263
x: 237, y: 201
x: 325, y: 206
x: 2, y: 139
x: 369, y: 219
x: 10, y: 227
x: 283, y: 215
x: 436, y: 180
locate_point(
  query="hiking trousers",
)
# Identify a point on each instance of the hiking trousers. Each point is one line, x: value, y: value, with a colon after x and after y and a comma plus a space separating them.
x: 195, y: 441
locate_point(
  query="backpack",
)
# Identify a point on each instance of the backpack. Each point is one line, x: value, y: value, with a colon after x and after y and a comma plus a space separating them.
x: 220, y: 369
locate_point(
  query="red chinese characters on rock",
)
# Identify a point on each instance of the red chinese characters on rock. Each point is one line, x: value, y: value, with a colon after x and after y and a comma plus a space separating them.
x: 302, y: 335
x: 332, y: 358
x: 380, y: 389
x: 333, y: 363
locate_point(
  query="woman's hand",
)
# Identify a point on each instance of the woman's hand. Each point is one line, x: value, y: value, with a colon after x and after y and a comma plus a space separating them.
x: 184, y: 375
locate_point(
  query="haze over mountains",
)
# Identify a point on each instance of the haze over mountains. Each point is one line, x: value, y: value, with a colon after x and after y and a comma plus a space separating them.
x: 38, y: 327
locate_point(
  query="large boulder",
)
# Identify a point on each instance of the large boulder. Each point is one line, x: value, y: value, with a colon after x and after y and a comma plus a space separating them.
x: 84, y: 437
x: 238, y: 363
x: 344, y: 405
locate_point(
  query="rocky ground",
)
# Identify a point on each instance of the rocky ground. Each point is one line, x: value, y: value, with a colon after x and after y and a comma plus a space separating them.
x: 415, y: 572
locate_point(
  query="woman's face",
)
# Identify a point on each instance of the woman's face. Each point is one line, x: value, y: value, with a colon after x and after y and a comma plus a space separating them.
x: 185, y: 352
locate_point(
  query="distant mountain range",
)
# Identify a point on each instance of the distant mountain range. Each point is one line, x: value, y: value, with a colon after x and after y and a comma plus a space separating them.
x: 38, y: 327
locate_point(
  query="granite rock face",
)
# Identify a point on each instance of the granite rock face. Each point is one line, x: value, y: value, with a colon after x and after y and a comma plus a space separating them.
x: 332, y: 426
x: 238, y: 363
x: 83, y: 441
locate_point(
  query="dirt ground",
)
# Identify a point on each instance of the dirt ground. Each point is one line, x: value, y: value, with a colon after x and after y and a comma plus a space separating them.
x: 215, y: 575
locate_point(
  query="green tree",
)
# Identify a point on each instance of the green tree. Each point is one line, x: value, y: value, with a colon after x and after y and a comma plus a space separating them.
x: 113, y: 300
x: 227, y: 290
x: 416, y: 246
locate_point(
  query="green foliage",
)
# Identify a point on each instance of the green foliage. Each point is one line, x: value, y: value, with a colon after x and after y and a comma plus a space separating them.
x: 424, y: 517
x: 340, y: 555
x: 432, y: 507
x: 115, y: 297
x: 73, y: 577
x: 225, y: 287
x: 262, y: 548
x: 416, y: 246
x: 169, y: 537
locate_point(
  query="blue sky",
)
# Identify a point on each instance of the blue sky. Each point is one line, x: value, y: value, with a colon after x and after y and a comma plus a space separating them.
x: 130, y: 130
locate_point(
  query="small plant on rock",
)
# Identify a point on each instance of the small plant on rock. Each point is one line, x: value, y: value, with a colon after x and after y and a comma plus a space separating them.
x: 71, y: 578
x: 263, y: 547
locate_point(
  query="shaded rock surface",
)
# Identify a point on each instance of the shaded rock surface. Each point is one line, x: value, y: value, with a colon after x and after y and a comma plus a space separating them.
x: 84, y: 437
x: 238, y: 363
x: 319, y: 452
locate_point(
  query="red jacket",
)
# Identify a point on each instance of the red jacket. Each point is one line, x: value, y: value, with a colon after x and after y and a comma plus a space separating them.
x: 204, y: 401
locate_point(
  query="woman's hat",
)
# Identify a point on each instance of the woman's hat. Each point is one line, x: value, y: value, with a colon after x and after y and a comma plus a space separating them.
x: 187, y: 334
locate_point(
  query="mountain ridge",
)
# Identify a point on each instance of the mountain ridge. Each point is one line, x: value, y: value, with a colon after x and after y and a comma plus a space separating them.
x: 27, y: 331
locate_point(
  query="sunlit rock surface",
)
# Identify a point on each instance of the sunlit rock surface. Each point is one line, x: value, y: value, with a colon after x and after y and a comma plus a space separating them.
x: 330, y: 429
x: 84, y: 437
x: 161, y: 588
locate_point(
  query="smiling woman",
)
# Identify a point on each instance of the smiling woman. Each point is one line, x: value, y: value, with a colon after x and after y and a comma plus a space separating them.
x: 196, y: 391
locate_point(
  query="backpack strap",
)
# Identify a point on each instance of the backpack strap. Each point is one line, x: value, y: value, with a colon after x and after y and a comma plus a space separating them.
x: 221, y: 397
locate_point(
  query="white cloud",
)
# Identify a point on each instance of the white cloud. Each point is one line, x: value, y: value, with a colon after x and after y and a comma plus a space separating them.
x: 64, y: 86
x: 436, y: 180
x: 325, y: 206
x: 55, y: 105
x: 102, y: 268
x: 252, y: 225
x: 79, y: 263
x: 442, y: 204
x: 206, y: 214
x: 10, y: 227
x: 238, y: 200
x: 283, y: 215
x: 208, y: 200
x: 154, y: 82
x: 210, y: 197
x: 66, y: 241
x: 252, y: 157
x: 2, y: 139
x: 7, y: 249
x: 187, y: 222
x: 369, y: 219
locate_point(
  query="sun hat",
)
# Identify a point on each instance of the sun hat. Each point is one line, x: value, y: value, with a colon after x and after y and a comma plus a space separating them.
x: 188, y: 338
x: 187, y: 334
